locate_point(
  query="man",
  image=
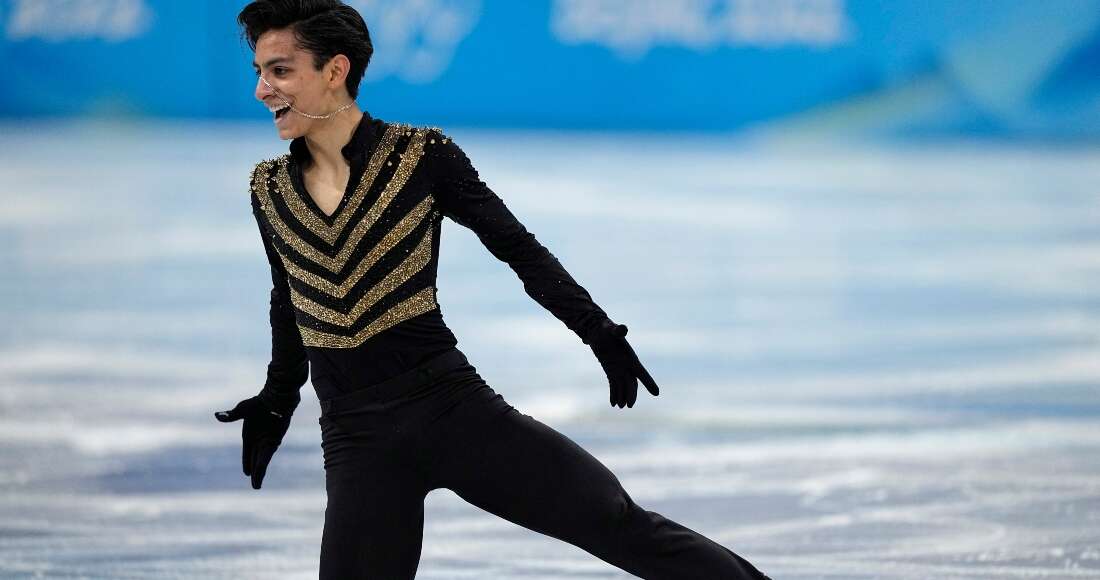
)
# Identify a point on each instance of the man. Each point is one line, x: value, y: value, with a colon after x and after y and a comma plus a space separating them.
x: 350, y: 221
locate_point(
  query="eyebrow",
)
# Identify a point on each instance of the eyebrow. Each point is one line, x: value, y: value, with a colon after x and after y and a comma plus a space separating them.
x: 273, y: 61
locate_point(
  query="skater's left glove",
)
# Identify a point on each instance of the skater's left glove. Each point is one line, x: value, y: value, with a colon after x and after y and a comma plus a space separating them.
x: 621, y: 364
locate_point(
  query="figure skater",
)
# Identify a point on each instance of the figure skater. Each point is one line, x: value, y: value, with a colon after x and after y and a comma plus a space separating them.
x: 350, y: 220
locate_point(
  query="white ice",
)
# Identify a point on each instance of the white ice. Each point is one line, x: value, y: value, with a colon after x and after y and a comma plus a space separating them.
x: 876, y: 360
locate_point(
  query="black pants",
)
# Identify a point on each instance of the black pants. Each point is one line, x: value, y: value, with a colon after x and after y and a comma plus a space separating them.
x: 441, y: 426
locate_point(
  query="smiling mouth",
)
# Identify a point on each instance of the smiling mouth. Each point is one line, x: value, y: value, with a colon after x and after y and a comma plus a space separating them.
x: 279, y: 110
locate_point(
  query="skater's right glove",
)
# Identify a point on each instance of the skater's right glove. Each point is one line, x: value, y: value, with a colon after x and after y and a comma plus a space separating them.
x: 617, y: 357
x: 262, y: 432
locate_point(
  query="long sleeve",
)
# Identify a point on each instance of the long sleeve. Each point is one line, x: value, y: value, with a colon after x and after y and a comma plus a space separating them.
x: 466, y: 199
x: 289, y: 366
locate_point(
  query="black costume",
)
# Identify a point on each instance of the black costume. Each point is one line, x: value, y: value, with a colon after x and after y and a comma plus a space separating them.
x: 361, y: 289
x: 403, y: 411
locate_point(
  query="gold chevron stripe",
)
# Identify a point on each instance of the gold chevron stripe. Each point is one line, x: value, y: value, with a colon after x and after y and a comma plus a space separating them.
x: 409, y: 160
x: 419, y: 303
x: 296, y: 202
x: 408, y: 267
x: 391, y: 239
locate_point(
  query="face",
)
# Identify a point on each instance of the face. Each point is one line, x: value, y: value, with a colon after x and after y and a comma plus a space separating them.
x: 289, y: 70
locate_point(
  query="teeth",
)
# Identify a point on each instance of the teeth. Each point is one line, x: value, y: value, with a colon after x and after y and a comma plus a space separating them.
x: 277, y: 108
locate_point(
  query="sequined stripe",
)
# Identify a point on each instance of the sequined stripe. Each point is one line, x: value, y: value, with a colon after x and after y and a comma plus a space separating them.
x: 409, y: 160
x: 414, y: 263
x: 391, y: 239
x: 259, y: 178
x: 260, y: 190
x: 277, y: 224
x: 419, y: 303
x: 295, y: 201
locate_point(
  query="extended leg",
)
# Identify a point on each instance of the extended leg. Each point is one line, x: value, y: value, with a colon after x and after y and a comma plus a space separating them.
x: 374, y: 520
x: 518, y: 468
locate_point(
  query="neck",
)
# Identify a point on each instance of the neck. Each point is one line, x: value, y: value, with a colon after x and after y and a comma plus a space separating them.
x: 326, y: 141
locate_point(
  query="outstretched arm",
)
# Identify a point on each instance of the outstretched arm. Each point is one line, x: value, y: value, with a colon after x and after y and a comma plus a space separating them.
x: 466, y: 199
x: 289, y: 366
x: 267, y: 415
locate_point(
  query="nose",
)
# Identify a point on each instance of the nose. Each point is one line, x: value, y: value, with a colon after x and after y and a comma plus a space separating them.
x: 262, y: 90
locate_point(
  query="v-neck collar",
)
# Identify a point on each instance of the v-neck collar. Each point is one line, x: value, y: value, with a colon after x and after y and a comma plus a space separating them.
x: 354, y: 152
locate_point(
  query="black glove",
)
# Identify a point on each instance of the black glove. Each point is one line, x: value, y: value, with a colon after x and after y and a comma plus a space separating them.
x: 620, y: 363
x: 262, y: 432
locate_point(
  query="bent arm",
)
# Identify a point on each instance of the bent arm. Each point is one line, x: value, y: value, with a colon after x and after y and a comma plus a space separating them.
x: 466, y: 199
x: 289, y: 366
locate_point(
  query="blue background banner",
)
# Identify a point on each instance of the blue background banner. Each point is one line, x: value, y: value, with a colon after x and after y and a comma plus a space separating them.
x: 1026, y: 68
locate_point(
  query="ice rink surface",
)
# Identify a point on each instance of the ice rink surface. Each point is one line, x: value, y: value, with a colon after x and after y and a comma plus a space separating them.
x: 875, y: 360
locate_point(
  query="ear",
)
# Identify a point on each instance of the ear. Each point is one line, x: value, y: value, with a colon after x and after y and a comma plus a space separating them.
x: 336, y: 72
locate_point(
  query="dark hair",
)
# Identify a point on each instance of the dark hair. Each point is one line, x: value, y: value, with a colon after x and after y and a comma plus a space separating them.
x: 325, y: 28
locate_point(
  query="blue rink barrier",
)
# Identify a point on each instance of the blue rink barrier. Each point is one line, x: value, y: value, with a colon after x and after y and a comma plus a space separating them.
x: 958, y: 66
